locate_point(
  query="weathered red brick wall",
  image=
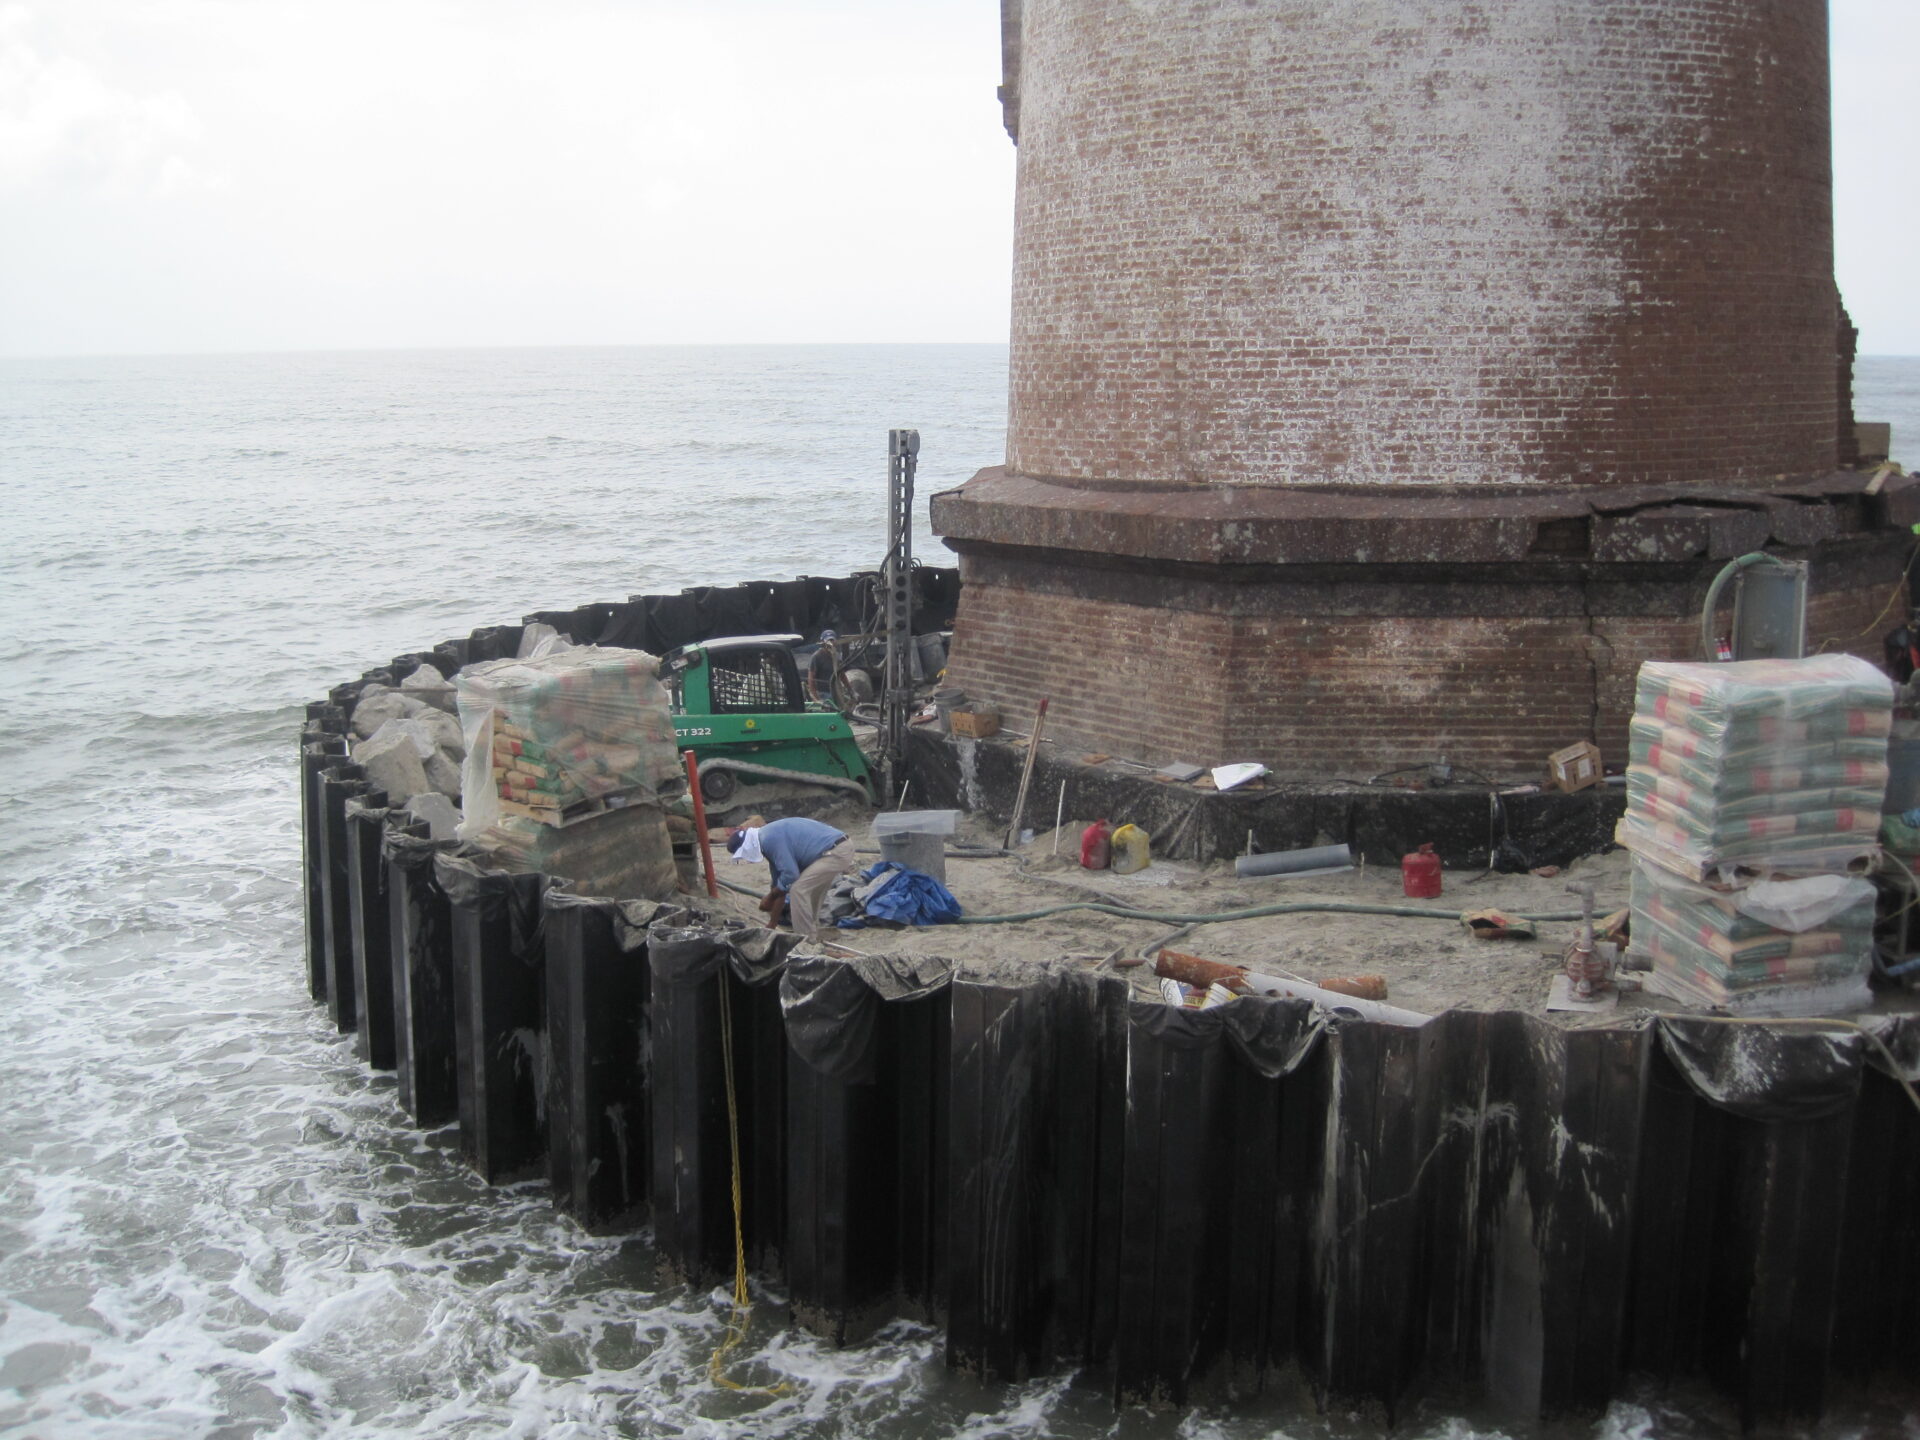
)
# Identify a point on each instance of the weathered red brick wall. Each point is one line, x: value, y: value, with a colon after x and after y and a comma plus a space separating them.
x: 1401, y: 241
x: 1325, y: 695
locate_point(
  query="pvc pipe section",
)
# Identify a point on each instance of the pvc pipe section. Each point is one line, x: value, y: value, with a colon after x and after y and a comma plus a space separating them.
x: 1333, y: 1001
x: 1319, y: 859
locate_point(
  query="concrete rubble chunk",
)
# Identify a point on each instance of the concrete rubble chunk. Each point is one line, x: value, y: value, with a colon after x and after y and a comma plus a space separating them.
x: 415, y: 729
x: 393, y: 764
x: 444, y: 731
x: 429, y: 685
x: 438, y: 811
x: 370, y: 714
x: 443, y: 774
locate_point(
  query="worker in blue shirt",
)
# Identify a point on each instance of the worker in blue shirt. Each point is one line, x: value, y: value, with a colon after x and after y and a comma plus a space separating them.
x: 804, y: 857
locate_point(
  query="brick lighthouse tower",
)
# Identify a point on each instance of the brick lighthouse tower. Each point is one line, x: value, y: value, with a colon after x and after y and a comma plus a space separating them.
x: 1389, y: 378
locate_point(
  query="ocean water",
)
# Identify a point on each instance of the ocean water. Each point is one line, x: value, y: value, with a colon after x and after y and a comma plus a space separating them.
x: 213, y: 1220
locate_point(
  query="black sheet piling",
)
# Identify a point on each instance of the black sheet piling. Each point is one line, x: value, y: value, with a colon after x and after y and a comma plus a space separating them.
x: 499, y: 1021
x: 318, y: 749
x: 598, y: 1055
x: 713, y: 990
x: 1176, y: 1203
x: 339, y: 782
x: 867, y: 1100
x: 371, y: 925
x: 420, y: 939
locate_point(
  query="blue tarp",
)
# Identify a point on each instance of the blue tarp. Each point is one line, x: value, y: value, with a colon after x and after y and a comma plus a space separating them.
x: 907, y: 898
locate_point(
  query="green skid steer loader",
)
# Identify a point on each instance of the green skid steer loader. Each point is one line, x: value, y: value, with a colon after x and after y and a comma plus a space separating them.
x: 739, y: 706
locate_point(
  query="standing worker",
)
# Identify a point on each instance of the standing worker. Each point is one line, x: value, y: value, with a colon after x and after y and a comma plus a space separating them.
x: 805, y: 858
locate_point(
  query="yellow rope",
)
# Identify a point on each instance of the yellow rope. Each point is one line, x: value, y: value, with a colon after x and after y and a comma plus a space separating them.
x: 742, y: 1301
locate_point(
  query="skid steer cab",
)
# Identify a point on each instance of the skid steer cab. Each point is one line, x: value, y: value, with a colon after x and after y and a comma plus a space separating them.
x: 739, y: 706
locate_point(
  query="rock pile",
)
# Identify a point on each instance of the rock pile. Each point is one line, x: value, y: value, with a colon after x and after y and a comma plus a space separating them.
x: 408, y: 738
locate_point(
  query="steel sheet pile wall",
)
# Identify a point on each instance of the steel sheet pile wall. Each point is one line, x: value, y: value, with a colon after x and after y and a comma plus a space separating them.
x: 1063, y: 1177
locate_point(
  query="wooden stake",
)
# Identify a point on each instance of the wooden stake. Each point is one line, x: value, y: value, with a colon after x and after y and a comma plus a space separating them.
x: 1026, y: 776
x: 1059, y: 816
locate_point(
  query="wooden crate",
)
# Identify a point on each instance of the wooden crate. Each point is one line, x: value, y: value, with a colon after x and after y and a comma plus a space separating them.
x: 975, y: 724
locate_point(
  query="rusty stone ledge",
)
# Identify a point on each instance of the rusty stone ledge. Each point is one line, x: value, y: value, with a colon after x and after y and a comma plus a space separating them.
x: 1249, y: 525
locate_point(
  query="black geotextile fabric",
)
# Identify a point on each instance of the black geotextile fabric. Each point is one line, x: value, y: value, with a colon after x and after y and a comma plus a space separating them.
x: 804, y: 606
x: 1466, y: 825
x: 831, y: 1006
x: 685, y: 951
x: 1273, y: 1034
x: 496, y: 897
x: 628, y: 919
x: 1763, y: 1070
x: 1901, y: 1035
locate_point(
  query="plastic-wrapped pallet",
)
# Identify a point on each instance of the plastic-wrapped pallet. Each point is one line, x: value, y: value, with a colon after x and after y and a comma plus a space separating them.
x: 1775, y: 947
x: 1758, y: 766
x: 565, y: 737
x: 623, y: 854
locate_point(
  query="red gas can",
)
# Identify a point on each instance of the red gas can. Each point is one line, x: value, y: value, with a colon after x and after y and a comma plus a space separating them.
x: 1420, y: 873
x: 1096, y: 849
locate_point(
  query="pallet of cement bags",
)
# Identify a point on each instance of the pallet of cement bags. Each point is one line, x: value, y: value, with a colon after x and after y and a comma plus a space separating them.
x: 1757, y: 767
x: 1775, y: 947
x: 624, y: 853
x: 564, y: 737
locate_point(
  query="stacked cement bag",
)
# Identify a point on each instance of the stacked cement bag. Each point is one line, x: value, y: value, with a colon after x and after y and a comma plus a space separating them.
x: 1790, y: 946
x: 579, y: 739
x: 624, y: 853
x: 1758, y: 766
x: 408, y: 738
x: 1743, y: 777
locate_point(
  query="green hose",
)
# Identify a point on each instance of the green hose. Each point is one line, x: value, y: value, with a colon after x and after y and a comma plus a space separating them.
x: 1255, y: 912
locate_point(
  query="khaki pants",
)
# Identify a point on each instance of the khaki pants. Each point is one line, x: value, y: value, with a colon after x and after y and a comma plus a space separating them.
x: 812, y: 884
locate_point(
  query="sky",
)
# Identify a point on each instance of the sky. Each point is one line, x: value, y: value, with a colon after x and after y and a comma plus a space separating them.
x: 234, y: 175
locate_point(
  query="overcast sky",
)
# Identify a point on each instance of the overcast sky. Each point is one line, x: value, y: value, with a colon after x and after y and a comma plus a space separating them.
x: 191, y: 175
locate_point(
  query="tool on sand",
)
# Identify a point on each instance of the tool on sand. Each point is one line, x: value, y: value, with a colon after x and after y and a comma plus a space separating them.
x: 1026, y: 776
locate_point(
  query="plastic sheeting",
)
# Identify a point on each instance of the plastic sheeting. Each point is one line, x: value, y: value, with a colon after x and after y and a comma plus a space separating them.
x: 1272, y: 1036
x: 555, y: 738
x: 683, y: 951
x: 1468, y: 827
x: 1762, y: 1072
x: 831, y: 1006
x: 1757, y: 766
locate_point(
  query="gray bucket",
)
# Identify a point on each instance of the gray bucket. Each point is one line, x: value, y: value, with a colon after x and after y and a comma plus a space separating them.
x: 945, y: 702
x: 917, y: 850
